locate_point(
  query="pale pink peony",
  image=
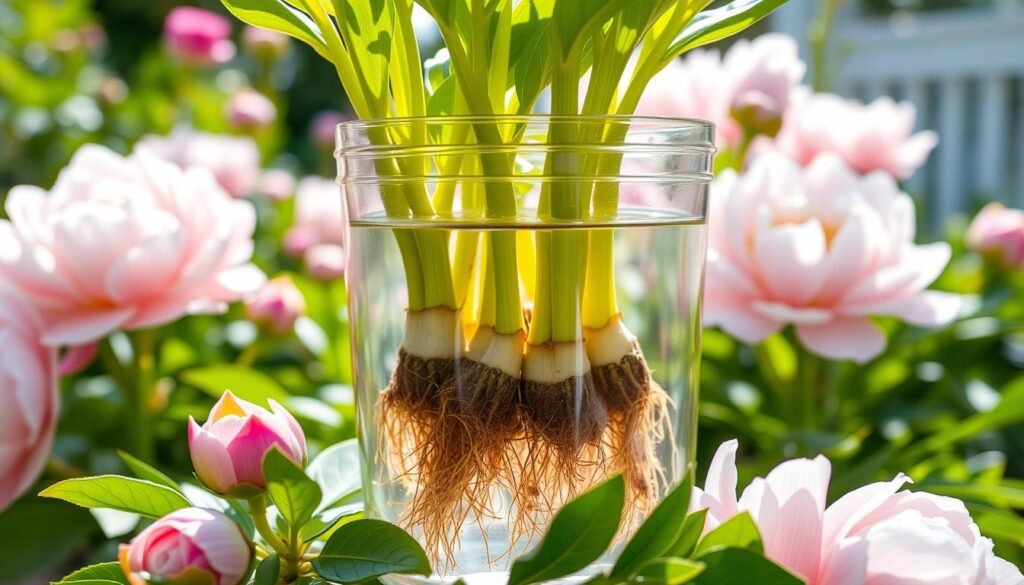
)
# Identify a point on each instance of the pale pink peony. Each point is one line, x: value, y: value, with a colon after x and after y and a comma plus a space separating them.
x: 125, y: 243
x: 228, y: 450
x: 319, y: 230
x: 750, y: 84
x: 822, y: 249
x: 251, y: 110
x: 233, y: 160
x: 875, y: 137
x: 28, y: 393
x: 198, y: 36
x: 875, y: 535
x: 191, y: 545
x: 277, y: 305
x: 998, y: 233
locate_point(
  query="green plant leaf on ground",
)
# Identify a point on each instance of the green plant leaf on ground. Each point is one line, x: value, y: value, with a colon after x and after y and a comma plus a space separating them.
x: 579, y: 534
x: 116, y: 492
x: 729, y: 566
x: 36, y: 534
x: 245, y: 383
x: 658, y: 533
x: 336, y: 470
x: 103, y: 573
x: 366, y: 549
x: 145, y: 471
x: 667, y: 572
x: 294, y: 493
x: 736, y: 532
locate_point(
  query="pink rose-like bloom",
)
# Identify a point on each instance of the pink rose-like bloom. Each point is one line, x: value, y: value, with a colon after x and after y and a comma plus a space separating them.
x: 998, y: 233
x: 277, y: 305
x: 323, y: 127
x: 750, y: 86
x: 228, y: 450
x: 875, y: 535
x: 820, y: 248
x: 875, y: 137
x: 250, y: 109
x: 191, y: 545
x: 126, y: 243
x: 29, y: 395
x: 233, y: 160
x: 198, y: 36
x: 265, y: 43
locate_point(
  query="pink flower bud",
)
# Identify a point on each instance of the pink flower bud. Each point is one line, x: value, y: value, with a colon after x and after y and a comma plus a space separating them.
x: 198, y: 36
x: 326, y: 261
x: 228, y: 451
x: 998, y: 234
x: 191, y: 545
x: 323, y: 126
x: 265, y: 43
x: 277, y: 305
x: 250, y: 109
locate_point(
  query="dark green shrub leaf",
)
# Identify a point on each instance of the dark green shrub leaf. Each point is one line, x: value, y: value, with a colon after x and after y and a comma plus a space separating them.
x: 37, y: 534
x: 736, y: 532
x: 102, y: 574
x: 366, y: 549
x: 667, y: 572
x: 577, y: 536
x: 268, y: 571
x: 294, y: 493
x: 729, y: 566
x: 658, y: 533
x: 143, y: 470
x: 116, y: 492
x: 693, y: 526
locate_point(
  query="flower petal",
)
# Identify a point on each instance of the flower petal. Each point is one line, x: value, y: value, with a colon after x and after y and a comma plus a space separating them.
x: 843, y: 338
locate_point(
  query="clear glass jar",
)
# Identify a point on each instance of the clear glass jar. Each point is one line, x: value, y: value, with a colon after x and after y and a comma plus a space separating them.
x: 524, y: 299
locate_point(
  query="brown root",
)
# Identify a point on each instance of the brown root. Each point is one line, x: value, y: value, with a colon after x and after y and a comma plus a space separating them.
x: 638, y: 420
x: 464, y: 454
x: 408, y: 409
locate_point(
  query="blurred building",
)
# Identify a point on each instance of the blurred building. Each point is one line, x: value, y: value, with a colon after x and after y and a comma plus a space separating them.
x: 961, y: 62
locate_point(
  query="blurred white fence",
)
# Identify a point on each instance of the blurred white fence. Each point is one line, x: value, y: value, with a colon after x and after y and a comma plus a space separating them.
x: 963, y: 68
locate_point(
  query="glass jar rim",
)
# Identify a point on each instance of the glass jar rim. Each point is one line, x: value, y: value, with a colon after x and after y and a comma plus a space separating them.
x: 665, y: 123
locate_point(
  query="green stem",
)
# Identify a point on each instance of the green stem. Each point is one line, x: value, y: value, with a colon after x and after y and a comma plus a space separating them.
x: 809, y: 373
x: 258, y: 512
x: 821, y: 30
x: 136, y: 385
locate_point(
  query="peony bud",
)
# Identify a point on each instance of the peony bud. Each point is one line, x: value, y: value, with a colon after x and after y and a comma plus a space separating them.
x: 228, y: 451
x: 186, y: 547
x: 325, y: 261
x: 997, y: 233
x: 198, y: 36
x: 251, y: 110
x: 264, y: 43
x: 277, y: 305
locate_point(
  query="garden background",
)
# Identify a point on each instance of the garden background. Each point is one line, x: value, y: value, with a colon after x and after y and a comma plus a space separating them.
x: 944, y: 405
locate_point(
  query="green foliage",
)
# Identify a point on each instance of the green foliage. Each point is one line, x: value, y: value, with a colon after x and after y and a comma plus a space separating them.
x: 145, y: 471
x: 659, y: 532
x: 736, y: 532
x: 719, y: 23
x: 101, y: 574
x: 268, y: 571
x: 279, y: 16
x: 667, y: 572
x: 35, y: 533
x: 246, y: 383
x: 292, y: 491
x: 728, y: 565
x: 115, y: 492
x: 366, y: 549
x: 336, y: 470
x: 578, y: 534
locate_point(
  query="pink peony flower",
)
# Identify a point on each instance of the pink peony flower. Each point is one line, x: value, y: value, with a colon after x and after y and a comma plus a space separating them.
x: 277, y: 305
x: 228, y: 450
x: 749, y: 87
x: 822, y: 249
x: 77, y: 358
x: 191, y: 545
x: 198, y: 36
x: 234, y: 161
x: 875, y: 535
x: 265, y: 43
x: 323, y: 127
x: 29, y: 394
x: 250, y: 109
x: 125, y: 243
x: 874, y: 137
x: 998, y: 233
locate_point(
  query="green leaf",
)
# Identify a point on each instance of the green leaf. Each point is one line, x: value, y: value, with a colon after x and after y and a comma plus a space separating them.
x: 336, y: 470
x: 579, y: 534
x: 693, y: 526
x: 736, y: 532
x: 116, y: 492
x: 714, y: 25
x: 366, y: 549
x: 245, y: 383
x: 367, y: 27
x: 294, y: 493
x: 268, y: 571
x: 667, y: 572
x: 102, y: 573
x: 37, y: 534
x: 729, y: 566
x: 329, y: 520
x: 143, y: 470
x: 279, y: 16
x: 659, y: 531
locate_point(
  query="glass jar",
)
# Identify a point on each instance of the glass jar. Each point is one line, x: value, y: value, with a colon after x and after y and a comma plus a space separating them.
x: 524, y: 300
